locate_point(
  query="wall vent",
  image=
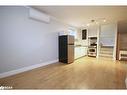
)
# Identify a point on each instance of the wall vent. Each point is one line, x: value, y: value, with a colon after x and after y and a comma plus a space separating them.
x: 37, y: 15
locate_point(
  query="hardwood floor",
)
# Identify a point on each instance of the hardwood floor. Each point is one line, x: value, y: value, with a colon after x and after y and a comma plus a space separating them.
x: 84, y: 73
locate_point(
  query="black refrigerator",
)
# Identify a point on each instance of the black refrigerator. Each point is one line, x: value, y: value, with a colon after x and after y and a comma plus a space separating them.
x: 66, y: 49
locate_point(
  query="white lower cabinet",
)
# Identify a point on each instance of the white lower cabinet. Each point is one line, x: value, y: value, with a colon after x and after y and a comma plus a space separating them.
x: 80, y: 52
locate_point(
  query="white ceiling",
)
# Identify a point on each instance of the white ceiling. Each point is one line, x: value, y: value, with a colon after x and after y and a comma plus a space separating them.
x: 81, y: 15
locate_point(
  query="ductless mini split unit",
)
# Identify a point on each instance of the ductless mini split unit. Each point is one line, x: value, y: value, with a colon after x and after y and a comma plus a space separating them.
x: 39, y: 16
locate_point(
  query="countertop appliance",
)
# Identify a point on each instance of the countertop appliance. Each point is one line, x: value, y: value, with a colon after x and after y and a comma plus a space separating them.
x: 66, y: 48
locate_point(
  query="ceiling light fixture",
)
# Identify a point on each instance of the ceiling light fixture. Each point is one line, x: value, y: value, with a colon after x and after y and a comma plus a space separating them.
x: 104, y: 20
x: 96, y: 21
x: 88, y: 24
x: 92, y: 20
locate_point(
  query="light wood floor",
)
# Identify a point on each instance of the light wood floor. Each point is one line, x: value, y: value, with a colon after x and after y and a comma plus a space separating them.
x: 84, y: 73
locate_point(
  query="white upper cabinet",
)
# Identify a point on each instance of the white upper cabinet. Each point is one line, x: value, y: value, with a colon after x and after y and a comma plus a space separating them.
x: 92, y: 31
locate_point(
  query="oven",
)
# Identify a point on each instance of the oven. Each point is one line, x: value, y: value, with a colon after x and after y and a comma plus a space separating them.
x: 92, y: 51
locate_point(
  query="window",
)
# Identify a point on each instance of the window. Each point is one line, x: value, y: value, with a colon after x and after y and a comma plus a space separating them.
x: 84, y: 34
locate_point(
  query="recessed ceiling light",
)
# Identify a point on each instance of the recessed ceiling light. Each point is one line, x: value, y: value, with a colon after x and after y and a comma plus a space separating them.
x: 104, y: 20
x: 88, y: 24
x: 97, y: 22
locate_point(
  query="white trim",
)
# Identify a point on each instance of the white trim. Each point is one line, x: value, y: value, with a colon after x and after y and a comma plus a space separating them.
x: 17, y: 71
x: 126, y: 82
x: 115, y: 44
x: 98, y: 40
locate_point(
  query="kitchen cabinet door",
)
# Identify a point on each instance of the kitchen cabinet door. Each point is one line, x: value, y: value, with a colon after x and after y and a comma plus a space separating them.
x: 80, y: 52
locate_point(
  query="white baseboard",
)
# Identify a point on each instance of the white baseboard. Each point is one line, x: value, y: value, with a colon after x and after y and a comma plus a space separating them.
x: 17, y: 71
x: 126, y: 82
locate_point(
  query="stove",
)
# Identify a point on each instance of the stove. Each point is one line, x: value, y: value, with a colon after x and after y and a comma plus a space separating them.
x: 92, y: 51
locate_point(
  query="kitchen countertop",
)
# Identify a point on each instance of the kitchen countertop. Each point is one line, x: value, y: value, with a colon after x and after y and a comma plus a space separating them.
x: 81, y: 46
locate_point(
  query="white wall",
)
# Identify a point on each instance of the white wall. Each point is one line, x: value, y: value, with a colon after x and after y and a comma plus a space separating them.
x: 92, y: 30
x: 79, y: 40
x: 107, y: 34
x: 25, y: 42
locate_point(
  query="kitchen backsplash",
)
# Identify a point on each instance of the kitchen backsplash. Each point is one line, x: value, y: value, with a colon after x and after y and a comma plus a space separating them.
x: 81, y: 42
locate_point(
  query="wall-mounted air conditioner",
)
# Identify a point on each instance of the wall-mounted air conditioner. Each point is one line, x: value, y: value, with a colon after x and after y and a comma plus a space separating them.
x: 37, y: 15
